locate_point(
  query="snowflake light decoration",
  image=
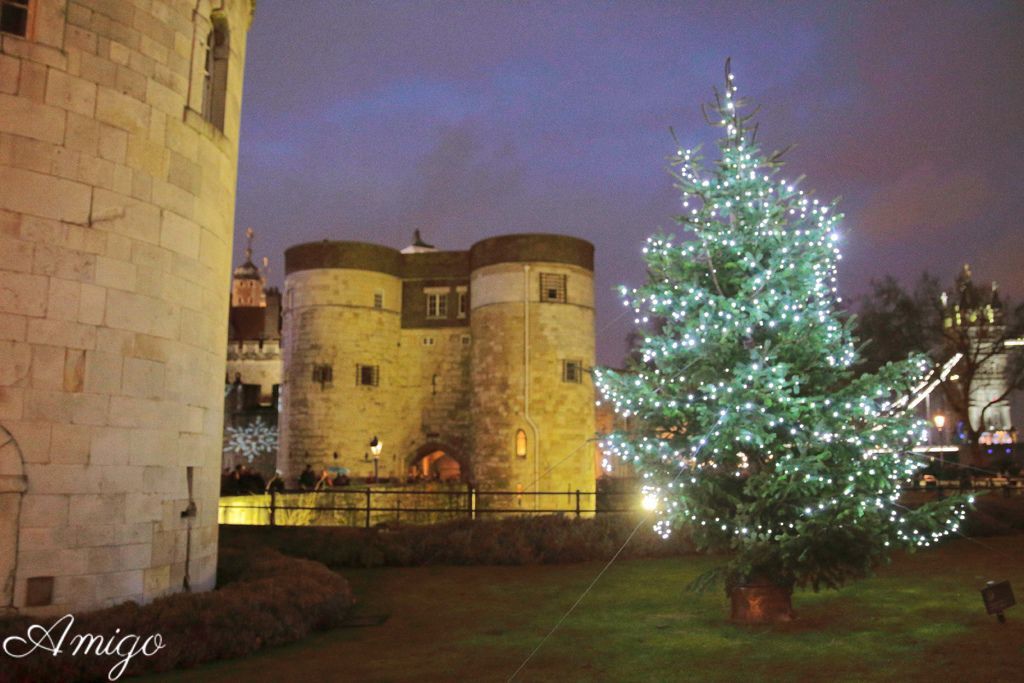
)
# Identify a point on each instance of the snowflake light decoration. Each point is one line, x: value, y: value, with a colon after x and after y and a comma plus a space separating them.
x: 251, y: 440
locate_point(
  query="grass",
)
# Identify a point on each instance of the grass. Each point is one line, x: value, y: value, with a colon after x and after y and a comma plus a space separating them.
x: 919, y: 619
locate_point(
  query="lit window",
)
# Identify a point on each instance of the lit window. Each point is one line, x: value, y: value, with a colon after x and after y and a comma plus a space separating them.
x: 552, y: 288
x: 14, y: 17
x: 323, y: 374
x: 215, y: 73
x: 520, y: 444
x: 437, y: 306
x: 572, y: 371
x: 378, y: 300
x: 368, y: 375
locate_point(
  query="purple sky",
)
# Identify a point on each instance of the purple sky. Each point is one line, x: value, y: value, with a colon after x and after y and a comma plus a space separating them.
x: 363, y: 121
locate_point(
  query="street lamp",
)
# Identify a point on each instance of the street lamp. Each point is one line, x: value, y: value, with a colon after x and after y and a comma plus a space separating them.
x: 376, y: 447
x: 940, y: 422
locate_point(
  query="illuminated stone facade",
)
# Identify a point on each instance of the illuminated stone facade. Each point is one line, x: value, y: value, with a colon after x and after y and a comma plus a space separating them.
x: 483, y: 355
x: 118, y: 154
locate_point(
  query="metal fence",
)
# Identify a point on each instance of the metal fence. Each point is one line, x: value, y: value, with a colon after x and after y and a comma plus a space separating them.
x: 369, y: 507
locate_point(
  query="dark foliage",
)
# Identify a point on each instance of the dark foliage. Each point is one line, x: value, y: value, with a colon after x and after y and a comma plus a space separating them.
x: 264, y: 599
x: 520, y: 541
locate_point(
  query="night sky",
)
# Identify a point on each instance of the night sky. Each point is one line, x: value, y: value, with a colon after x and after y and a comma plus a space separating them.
x: 363, y: 121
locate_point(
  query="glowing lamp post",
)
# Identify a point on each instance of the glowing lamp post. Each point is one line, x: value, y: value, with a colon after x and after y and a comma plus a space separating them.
x: 940, y: 422
x: 376, y: 447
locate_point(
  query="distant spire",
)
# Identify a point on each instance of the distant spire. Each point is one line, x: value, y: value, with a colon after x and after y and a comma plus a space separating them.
x: 249, y: 234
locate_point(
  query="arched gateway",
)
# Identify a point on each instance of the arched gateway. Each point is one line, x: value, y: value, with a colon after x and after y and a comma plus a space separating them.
x: 439, y: 461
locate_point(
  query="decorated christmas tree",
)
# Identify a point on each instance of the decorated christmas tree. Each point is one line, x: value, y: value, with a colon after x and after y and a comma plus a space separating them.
x: 749, y: 427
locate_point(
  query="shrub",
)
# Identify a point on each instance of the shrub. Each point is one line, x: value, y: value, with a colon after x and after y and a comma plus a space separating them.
x: 511, y: 541
x: 263, y: 599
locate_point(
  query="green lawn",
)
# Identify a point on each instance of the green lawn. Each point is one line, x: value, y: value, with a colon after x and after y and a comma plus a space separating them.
x: 921, y: 619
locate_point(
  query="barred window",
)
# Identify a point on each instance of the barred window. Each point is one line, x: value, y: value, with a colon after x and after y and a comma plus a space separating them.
x: 14, y: 17
x: 368, y: 375
x: 437, y: 305
x: 552, y: 288
x: 572, y: 371
x: 323, y: 373
x: 378, y: 299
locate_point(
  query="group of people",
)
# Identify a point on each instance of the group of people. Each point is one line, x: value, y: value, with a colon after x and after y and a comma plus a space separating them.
x: 309, y: 481
x: 244, y: 480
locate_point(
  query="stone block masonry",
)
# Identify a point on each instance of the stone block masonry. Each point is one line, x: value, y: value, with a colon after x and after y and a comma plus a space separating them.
x: 116, y: 223
x: 470, y: 351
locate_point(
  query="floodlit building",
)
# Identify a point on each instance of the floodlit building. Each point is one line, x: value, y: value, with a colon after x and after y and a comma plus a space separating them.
x: 118, y: 158
x: 471, y: 365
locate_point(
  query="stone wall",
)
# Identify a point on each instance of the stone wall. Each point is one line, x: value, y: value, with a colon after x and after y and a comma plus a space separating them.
x: 454, y: 384
x: 257, y: 363
x: 559, y: 421
x: 116, y: 225
x: 330, y: 320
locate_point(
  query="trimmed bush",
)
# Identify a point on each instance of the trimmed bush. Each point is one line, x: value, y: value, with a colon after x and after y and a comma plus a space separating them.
x: 264, y: 599
x: 511, y: 541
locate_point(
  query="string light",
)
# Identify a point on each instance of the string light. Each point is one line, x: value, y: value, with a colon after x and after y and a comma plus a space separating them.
x: 750, y: 426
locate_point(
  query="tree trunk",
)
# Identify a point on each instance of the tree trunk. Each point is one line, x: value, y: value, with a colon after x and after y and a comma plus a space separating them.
x: 762, y: 603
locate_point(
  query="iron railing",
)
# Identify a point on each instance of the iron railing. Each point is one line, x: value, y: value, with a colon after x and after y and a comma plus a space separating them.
x: 373, y: 506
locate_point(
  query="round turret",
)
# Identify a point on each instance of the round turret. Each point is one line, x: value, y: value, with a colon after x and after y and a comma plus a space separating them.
x: 117, y: 203
x: 341, y: 337
x: 532, y: 321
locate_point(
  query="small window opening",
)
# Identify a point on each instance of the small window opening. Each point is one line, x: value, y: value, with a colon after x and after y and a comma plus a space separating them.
x: 14, y: 17
x: 215, y: 73
x: 437, y: 306
x: 520, y: 444
x: 552, y: 288
x: 368, y: 375
x: 572, y: 371
x: 323, y: 374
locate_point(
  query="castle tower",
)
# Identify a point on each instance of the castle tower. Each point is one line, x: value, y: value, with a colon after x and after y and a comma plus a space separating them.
x: 532, y: 321
x: 341, y: 382
x: 118, y: 158
x: 247, y: 282
x: 977, y: 315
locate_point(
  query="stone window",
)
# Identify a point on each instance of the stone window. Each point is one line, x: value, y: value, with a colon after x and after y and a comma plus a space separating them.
x: 323, y: 373
x: 552, y: 288
x: 466, y: 340
x: 463, y: 308
x: 437, y: 305
x: 215, y: 72
x: 378, y: 299
x: 572, y: 371
x: 520, y: 444
x: 428, y: 341
x: 368, y: 375
x: 14, y: 16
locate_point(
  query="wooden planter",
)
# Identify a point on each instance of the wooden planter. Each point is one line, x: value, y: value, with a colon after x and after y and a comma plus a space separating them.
x: 763, y: 603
